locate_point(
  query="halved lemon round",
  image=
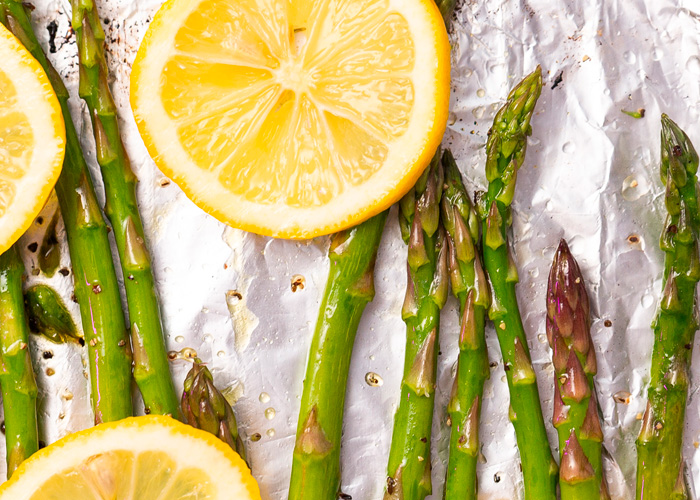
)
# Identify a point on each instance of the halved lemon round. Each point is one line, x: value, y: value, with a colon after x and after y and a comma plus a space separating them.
x: 293, y: 118
x: 32, y: 139
x: 138, y: 458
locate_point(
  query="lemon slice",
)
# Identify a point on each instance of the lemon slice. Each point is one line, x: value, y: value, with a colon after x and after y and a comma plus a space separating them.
x: 293, y: 118
x: 138, y: 458
x: 32, y: 139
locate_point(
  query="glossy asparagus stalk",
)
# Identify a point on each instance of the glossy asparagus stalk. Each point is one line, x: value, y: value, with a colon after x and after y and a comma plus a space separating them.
x: 151, y: 368
x: 95, y: 281
x: 350, y: 287
x: 206, y: 408
x: 409, y: 470
x: 505, y: 150
x: 19, y: 390
x: 470, y: 287
x: 575, y: 405
x: 659, y: 467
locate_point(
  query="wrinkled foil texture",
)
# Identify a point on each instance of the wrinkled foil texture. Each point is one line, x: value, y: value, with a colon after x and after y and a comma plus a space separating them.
x: 590, y: 176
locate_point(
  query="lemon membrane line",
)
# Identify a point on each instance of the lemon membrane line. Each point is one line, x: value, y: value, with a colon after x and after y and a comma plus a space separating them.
x: 250, y: 135
x: 227, y: 61
x: 316, y: 26
x: 170, y: 483
x: 362, y: 125
x: 91, y: 486
x: 266, y: 32
x: 331, y: 139
x: 325, y: 56
x: 132, y: 485
x: 6, y: 110
x: 227, y: 101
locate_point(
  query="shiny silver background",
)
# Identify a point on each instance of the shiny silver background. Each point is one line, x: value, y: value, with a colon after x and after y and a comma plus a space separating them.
x: 583, y: 157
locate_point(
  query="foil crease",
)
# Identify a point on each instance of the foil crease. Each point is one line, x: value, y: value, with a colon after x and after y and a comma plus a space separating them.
x: 590, y: 176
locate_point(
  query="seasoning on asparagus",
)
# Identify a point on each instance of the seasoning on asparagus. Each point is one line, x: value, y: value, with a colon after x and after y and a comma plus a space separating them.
x: 575, y: 404
x: 505, y: 152
x: 659, y: 462
x: 95, y: 281
x: 19, y: 390
x: 151, y: 370
x: 470, y: 288
x: 409, y: 471
x: 204, y: 407
x: 349, y: 288
x: 48, y: 316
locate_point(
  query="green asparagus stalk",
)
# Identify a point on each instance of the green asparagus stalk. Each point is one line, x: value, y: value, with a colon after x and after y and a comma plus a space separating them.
x: 469, y: 286
x: 204, y: 407
x: 48, y: 316
x: 659, y: 443
x: 350, y: 287
x: 575, y: 405
x: 19, y: 390
x: 446, y: 7
x: 505, y: 150
x: 409, y: 470
x: 95, y: 281
x: 151, y: 368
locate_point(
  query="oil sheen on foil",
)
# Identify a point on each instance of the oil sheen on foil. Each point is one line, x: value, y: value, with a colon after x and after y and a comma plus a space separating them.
x: 248, y: 304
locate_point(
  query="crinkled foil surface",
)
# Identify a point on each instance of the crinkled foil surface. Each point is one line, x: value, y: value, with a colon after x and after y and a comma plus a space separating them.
x: 590, y: 176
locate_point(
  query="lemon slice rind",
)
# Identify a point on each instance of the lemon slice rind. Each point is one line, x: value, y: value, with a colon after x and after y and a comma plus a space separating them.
x: 37, y: 102
x: 189, y: 448
x: 407, y: 157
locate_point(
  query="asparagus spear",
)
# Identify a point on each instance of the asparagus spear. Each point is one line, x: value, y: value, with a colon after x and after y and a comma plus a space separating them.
x: 505, y: 150
x: 350, y: 287
x: 96, y: 286
x: 471, y: 289
x: 47, y: 315
x: 151, y: 369
x: 409, y: 470
x: 204, y: 407
x: 660, y: 439
x: 575, y: 405
x: 19, y: 390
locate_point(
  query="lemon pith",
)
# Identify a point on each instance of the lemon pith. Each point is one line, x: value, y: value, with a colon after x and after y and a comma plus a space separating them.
x: 32, y: 139
x: 293, y: 119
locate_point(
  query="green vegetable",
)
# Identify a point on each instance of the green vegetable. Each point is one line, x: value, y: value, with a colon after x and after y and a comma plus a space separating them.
x: 151, y: 369
x: 470, y: 287
x: 659, y: 462
x: 204, y: 407
x: 349, y: 288
x: 19, y: 390
x: 96, y: 286
x: 426, y: 292
x: 575, y: 405
x: 48, y: 316
x: 505, y: 152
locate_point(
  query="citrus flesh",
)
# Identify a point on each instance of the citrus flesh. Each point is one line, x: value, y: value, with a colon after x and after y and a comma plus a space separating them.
x: 293, y: 119
x: 32, y: 139
x: 151, y: 457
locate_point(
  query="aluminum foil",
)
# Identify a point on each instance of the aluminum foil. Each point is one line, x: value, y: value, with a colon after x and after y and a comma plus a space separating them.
x: 590, y: 176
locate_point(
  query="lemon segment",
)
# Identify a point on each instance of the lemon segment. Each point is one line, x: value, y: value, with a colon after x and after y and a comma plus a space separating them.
x: 154, y: 457
x: 293, y: 119
x: 32, y: 139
